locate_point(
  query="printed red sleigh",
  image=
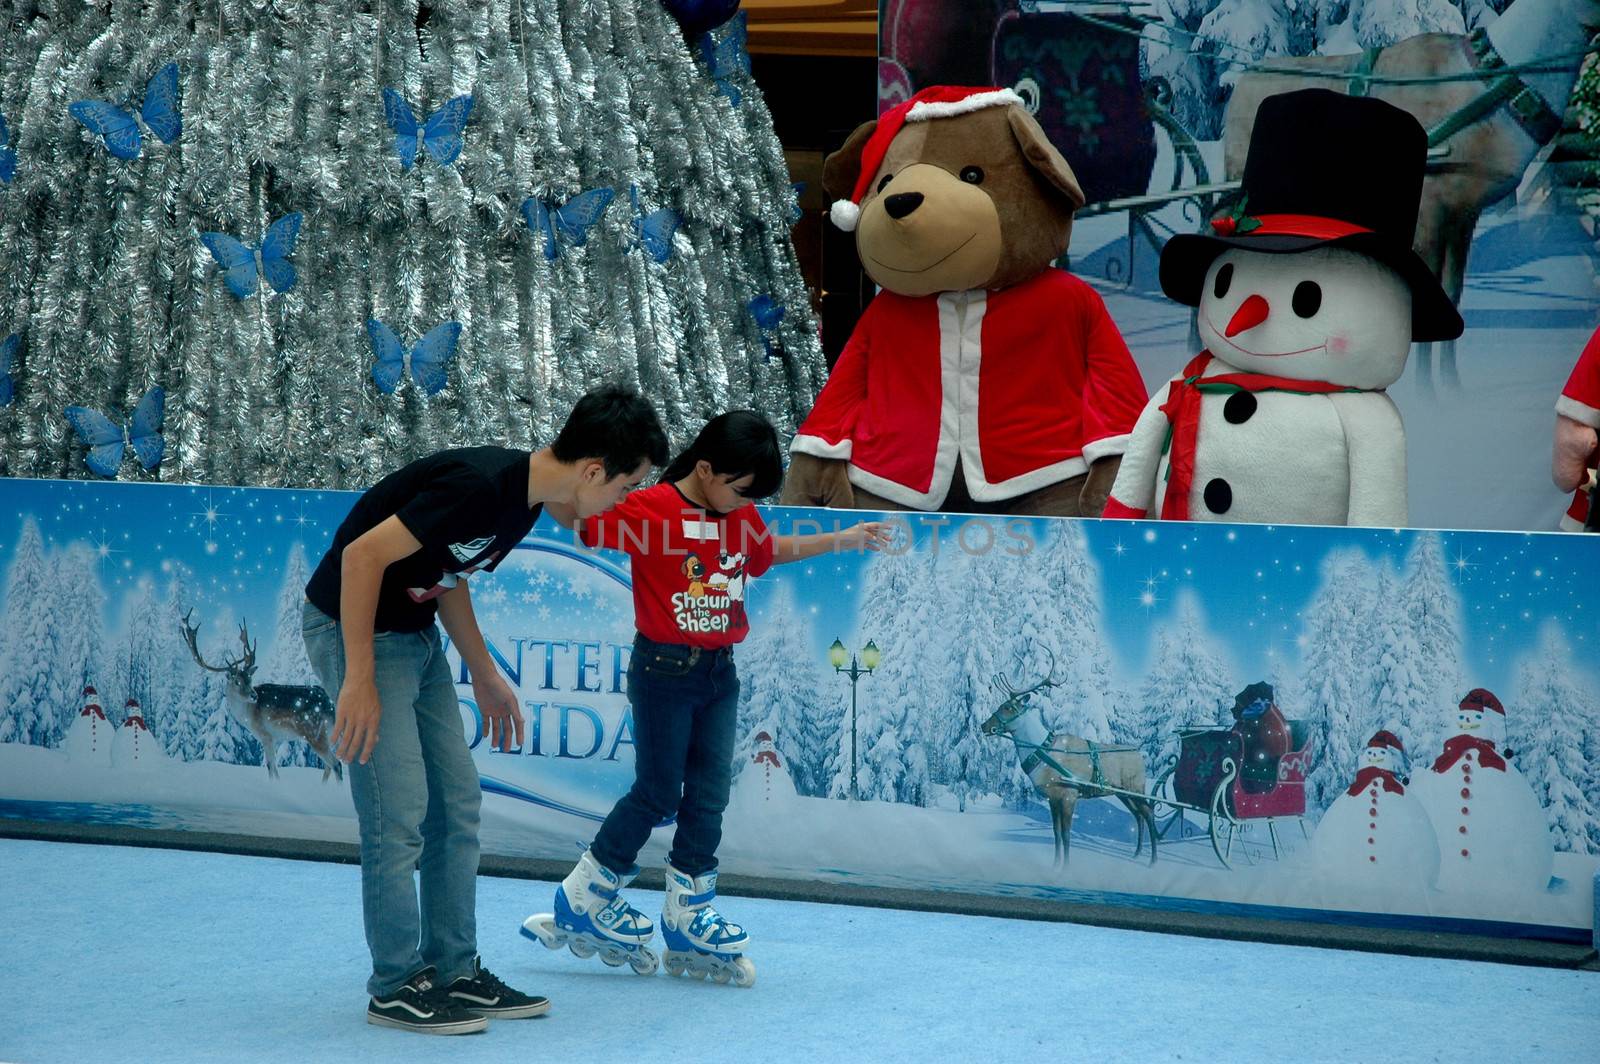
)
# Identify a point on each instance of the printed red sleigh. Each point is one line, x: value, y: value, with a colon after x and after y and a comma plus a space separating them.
x: 1210, y: 777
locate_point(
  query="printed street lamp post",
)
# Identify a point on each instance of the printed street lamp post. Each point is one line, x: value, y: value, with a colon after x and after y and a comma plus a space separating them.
x: 870, y: 657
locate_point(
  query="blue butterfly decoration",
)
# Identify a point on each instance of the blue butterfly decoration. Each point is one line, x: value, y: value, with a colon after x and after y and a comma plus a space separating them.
x: 573, y: 219
x: 8, y: 157
x: 107, y: 440
x: 238, y: 259
x: 428, y: 358
x: 440, y: 134
x: 797, y: 212
x: 728, y: 57
x: 698, y: 16
x: 117, y: 126
x: 654, y: 231
x: 8, y: 358
x: 768, y: 314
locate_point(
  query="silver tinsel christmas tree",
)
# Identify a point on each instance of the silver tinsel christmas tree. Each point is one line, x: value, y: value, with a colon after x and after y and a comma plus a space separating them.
x: 104, y: 275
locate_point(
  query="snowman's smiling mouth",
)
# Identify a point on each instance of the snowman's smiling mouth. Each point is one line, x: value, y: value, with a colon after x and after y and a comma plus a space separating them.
x: 1261, y: 354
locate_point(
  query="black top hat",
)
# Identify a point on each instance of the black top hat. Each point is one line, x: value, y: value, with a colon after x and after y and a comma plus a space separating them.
x: 1330, y: 170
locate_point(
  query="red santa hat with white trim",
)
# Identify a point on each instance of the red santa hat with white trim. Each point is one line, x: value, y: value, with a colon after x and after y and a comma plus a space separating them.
x: 1385, y: 739
x: 1491, y: 714
x: 91, y: 704
x: 937, y: 101
x: 1387, y: 743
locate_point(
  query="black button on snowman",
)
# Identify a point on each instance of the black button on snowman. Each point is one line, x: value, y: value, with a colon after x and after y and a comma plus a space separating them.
x: 1308, y: 298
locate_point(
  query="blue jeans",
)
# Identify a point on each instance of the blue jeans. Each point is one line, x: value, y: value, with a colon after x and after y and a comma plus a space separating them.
x: 685, y: 707
x: 417, y: 801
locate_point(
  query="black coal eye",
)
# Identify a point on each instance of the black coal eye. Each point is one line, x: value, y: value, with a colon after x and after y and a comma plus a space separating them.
x: 885, y: 182
x: 972, y: 175
x: 1307, y: 298
x: 1219, y: 287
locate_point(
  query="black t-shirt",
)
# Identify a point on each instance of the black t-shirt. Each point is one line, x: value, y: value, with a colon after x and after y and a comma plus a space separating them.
x: 467, y: 507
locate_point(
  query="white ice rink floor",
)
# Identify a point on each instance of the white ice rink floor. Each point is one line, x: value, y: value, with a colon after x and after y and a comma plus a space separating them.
x: 111, y: 954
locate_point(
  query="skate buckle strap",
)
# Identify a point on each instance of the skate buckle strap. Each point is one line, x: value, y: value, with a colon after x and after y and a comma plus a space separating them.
x: 693, y: 901
x: 709, y: 924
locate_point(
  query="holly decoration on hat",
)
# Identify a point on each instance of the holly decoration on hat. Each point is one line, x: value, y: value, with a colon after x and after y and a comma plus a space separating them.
x: 1239, y: 222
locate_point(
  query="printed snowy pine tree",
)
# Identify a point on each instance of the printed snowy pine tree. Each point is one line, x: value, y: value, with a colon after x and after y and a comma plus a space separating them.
x: 282, y: 109
x: 79, y: 654
x: 1552, y: 722
x: 1188, y: 683
x: 32, y: 692
x: 979, y: 603
x: 219, y: 736
x: 779, y: 691
x: 1334, y: 673
x: 900, y: 613
x: 1057, y: 606
x: 285, y: 661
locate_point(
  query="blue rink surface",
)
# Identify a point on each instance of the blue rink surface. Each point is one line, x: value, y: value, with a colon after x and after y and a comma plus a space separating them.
x: 143, y: 955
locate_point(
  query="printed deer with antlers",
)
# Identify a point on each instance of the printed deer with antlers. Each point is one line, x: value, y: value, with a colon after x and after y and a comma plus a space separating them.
x: 273, y: 712
x: 1064, y: 767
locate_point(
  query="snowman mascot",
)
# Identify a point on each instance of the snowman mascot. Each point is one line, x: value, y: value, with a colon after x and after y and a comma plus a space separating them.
x: 1377, y: 830
x: 1493, y: 836
x: 1309, y: 297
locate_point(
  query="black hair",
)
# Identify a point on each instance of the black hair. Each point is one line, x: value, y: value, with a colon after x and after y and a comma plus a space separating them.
x: 737, y: 444
x: 616, y: 425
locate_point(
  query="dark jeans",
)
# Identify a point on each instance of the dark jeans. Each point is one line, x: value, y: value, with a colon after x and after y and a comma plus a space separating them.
x: 685, y: 705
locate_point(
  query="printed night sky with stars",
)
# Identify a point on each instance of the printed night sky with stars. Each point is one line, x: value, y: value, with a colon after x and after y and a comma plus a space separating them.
x: 1253, y: 582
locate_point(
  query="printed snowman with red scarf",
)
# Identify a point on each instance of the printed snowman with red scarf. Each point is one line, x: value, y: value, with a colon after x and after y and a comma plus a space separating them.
x: 89, y: 738
x: 1493, y: 836
x: 1377, y: 830
x: 1309, y: 298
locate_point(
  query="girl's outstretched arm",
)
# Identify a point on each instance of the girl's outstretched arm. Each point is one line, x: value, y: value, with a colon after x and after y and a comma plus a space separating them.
x: 868, y: 535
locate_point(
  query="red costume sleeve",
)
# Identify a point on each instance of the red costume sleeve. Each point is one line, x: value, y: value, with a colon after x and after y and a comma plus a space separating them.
x: 1113, y: 389
x: 1580, y: 399
x: 828, y: 429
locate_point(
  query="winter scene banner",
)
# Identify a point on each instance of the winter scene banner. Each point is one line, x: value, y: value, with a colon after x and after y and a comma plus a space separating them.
x: 1383, y: 726
x: 1151, y: 102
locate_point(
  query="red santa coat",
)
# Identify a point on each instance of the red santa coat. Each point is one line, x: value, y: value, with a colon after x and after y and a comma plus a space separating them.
x: 1025, y: 386
x: 1580, y: 400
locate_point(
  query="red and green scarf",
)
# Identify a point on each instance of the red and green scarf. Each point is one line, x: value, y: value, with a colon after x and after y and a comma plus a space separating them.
x: 1183, y: 419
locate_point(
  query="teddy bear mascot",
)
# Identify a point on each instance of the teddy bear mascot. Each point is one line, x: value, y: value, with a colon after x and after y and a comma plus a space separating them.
x: 1309, y: 297
x: 980, y: 379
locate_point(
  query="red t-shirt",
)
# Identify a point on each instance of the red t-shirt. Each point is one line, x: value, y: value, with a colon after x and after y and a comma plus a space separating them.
x: 689, y: 565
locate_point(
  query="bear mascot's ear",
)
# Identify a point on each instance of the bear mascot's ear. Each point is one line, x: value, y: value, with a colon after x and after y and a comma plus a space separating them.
x: 1042, y: 156
x: 841, y: 169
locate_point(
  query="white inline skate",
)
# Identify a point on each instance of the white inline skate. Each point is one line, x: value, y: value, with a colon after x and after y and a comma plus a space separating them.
x: 593, y: 917
x: 699, y: 941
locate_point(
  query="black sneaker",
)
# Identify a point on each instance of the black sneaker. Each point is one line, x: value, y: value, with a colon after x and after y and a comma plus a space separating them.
x: 420, y: 1006
x: 485, y: 995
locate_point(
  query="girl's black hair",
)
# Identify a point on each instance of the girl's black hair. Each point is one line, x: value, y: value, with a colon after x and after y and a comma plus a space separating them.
x: 737, y: 444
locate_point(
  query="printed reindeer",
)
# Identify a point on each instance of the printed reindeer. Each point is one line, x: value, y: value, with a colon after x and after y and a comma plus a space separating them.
x: 273, y: 712
x: 1065, y: 767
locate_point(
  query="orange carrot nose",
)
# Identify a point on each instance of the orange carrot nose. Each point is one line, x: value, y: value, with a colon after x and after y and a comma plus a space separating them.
x: 1251, y: 312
